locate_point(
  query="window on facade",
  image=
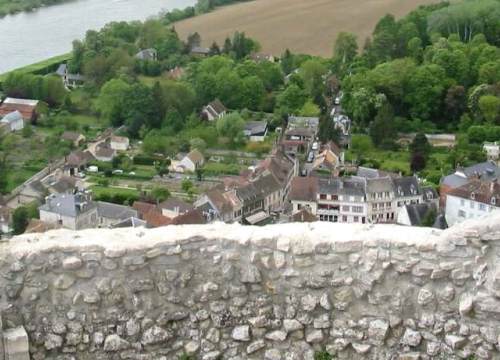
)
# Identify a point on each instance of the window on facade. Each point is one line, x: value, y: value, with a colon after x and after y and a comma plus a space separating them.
x: 388, y: 205
x: 374, y: 206
x: 363, y: 220
x: 356, y: 219
x: 345, y: 208
x: 386, y: 194
x: 335, y: 197
x: 357, y: 209
x: 351, y: 198
x: 461, y: 213
x: 344, y: 218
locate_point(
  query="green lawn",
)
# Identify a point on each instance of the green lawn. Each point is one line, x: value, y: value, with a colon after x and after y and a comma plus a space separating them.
x: 17, y: 176
x: 362, y: 147
x: 397, y: 161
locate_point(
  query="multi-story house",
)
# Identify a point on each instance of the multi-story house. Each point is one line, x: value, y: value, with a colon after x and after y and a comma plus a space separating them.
x: 303, y: 194
x: 472, y: 200
x: 334, y: 200
x: 299, y: 134
x: 71, y: 211
x: 381, y: 197
x: 283, y: 168
x: 220, y: 204
x: 342, y: 200
x: 486, y: 171
x: 407, y: 191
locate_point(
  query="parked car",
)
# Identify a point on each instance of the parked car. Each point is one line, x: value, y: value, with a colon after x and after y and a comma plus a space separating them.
x: 315, y: 146
x: 81, y: 175
x: 337, y: 101
x: 310, y: 157
x: 303, y: 173
x: 93, y: 169
x: 117, y: 172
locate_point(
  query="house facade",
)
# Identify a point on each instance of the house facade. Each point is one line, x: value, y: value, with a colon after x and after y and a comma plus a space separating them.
x: 492, y: 150
x: 192, y: 161
x: 5, y: 220
x: 473, y: 200
x: 119, y: 143
x: 213, y: 111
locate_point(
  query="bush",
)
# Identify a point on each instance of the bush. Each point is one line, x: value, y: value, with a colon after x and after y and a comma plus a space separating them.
x: 322, y: 355
x: 142, y: 159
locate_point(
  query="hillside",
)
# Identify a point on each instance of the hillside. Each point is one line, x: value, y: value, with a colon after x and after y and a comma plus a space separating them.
x: 302, y: 26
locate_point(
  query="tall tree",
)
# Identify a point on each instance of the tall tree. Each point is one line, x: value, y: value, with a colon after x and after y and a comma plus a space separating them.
x: 382, y: 129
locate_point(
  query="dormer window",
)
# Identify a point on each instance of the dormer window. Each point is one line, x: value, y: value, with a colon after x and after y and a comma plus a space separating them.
x: 472, y: 196
x: 493, y: 201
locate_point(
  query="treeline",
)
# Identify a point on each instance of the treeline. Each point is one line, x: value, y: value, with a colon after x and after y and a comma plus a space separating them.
x: 12, y: 7
x: 201, y: 7
x: 49, y: 89
x: 420, y: 73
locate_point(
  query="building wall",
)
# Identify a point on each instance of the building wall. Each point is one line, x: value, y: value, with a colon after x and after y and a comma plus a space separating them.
x: 119, y: 146
x: 458, y: 209
x: 278, y: 292
x: 86, y: 220
x: 188, y: 164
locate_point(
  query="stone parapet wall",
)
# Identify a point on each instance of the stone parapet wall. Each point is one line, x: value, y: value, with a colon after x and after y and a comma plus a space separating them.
x: 277, y: 292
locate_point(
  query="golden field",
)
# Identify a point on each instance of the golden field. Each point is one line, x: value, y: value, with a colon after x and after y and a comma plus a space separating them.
x: 306, y: 26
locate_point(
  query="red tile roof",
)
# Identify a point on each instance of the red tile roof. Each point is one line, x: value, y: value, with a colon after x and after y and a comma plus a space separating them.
x: 155, y: 219
x: 192, y: 217
x: 143, y: 208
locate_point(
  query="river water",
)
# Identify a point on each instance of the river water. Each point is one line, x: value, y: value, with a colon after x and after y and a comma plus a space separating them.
x: 26, y: 38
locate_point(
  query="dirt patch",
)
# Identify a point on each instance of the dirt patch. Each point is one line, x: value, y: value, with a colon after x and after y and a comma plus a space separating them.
x: 306, y: 26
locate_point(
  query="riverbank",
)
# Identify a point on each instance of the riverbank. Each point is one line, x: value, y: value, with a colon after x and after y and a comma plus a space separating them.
x: 9, y: 7
x: 40, y: 68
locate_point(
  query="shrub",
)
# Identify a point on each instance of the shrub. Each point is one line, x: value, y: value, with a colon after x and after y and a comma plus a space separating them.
x: 322, y: 355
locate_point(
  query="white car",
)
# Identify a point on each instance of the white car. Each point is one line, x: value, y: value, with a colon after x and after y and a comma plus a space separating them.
x: 117, y: 172
x: 315, y: 146
x: 337, y: 101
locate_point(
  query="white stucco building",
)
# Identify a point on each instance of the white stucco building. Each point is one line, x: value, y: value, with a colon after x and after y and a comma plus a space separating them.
x: 472, y: 200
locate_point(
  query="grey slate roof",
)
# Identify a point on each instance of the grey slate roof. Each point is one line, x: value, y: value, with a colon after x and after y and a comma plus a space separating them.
x: 68, y: 204
x: 429, y: 193
x: 485, y: 171
x: 406, y: 186
x: 346, y: 186
x: 417, y: 212
x: 114, y: 211
x: 146, y: 54
x: 379, y: 185
x: 61, y: 69
x: 130, y: 222
x: 255, y: 128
